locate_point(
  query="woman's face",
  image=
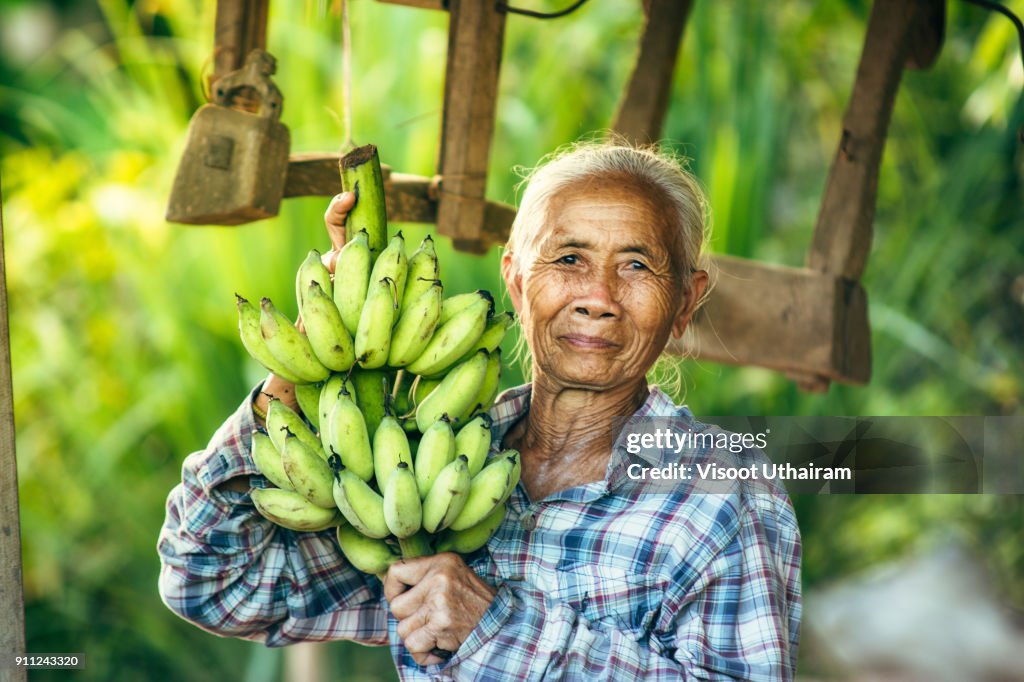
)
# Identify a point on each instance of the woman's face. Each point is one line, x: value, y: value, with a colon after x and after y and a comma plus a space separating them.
x: 598, y: 294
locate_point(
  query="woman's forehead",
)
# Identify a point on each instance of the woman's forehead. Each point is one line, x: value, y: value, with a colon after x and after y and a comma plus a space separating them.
x: 605, y: 213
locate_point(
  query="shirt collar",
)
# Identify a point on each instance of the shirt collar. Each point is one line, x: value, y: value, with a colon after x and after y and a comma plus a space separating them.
x: 514, y: 403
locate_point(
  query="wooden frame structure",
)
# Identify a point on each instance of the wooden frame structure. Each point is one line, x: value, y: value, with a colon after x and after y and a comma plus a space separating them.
x: 810, y: 322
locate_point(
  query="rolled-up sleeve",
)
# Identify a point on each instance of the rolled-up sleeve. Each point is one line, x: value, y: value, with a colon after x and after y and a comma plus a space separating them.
x: 233, y: 573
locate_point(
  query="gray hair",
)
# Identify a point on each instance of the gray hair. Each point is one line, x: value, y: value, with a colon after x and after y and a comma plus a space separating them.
x: 657, y: 172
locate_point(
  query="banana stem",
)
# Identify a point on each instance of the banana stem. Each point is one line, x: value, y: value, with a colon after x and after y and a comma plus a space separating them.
x: 360, y: 173
x: 415, y: 546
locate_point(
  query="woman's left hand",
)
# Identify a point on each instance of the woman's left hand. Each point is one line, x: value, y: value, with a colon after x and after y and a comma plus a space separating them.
x: 438, y: 601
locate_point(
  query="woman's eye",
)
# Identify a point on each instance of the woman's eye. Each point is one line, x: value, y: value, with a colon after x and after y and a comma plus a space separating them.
x: 568, y: 260
x: 637, y: 265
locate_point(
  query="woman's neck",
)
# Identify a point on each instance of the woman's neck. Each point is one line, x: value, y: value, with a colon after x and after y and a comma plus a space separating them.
x: 567, y: 436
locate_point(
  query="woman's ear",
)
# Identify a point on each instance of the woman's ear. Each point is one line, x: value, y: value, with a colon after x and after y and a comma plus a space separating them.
x: 513, y: 280
x: 692, y: 295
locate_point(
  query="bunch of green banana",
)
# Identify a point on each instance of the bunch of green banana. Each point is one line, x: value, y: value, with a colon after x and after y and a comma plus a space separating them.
x: 391, y: 435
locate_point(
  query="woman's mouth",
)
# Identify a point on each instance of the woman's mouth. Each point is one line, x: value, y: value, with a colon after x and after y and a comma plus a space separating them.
x: 584, y: 342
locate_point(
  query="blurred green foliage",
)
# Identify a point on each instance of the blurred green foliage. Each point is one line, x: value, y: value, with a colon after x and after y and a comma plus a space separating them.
x: 124, y: 346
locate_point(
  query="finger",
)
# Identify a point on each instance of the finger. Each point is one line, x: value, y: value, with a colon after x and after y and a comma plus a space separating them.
x: 334, y: 217
x: 411, y: 571
x: 428, y: 659
x: 330, y: 259
x: 422, y: 641
x: 393, y: 587
x: 411, y: 624
x: 409, y: 602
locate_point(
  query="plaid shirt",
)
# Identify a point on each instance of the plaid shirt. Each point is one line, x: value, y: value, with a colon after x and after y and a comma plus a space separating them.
x: 591, y: 584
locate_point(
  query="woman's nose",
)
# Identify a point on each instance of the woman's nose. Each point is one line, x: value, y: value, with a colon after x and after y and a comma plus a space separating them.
x: 598, y: 299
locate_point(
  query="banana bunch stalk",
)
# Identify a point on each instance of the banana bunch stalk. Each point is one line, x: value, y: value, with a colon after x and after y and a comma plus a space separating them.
x: 391, y: 444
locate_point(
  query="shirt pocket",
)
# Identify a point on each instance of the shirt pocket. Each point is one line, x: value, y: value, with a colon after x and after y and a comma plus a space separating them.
x: 610, y: 597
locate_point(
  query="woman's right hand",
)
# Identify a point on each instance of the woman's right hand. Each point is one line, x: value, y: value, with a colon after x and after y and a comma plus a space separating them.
x: 334, y: 220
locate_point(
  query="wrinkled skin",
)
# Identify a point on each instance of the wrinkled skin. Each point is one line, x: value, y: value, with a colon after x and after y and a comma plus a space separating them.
x: 599, y: 294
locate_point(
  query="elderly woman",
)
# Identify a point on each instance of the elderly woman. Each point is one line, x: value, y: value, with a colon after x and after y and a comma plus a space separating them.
x: 585, y: 578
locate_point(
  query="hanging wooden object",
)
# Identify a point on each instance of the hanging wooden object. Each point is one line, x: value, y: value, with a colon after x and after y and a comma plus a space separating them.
x: 641, y: 113
x: 12, y: 596
x: 235, y: 162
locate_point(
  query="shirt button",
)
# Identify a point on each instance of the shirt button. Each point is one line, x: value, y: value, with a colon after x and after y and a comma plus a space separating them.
x: 528, y: 521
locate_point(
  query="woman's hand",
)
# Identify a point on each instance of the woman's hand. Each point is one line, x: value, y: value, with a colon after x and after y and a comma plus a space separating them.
x: 334, y: 220
x: 438, y: 601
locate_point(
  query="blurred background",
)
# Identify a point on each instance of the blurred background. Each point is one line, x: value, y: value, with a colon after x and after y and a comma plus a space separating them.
x: 123, y: 328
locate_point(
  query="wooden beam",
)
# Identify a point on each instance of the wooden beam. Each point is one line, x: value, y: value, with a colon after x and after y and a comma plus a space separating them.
x: 239, y: 27
x: 475, y: 39
x: 410, y: 198
x: 641, y: 113
x: 12, y: 596
x: 843, y: 232
x: 782, y: 318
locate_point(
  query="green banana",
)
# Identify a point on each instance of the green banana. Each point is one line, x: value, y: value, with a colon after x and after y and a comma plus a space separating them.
x: 352, y: 279
x: 371, y: 395
x: 392, y: 263
x: 474, y: 441
x: 456, y: 392
x: 390, y: 446
x: 435, y: 451
x: 423, y: 271
x: 365, y: 554
x: 373, y: 337
x: 452, y: 339
x: 489, y: 489
x: 453, y: 305
x: 493, y: 334
x: 329, y: 394
x: 403, y: 510
x: 289, y: 345
x: 348, y: 437
x: 311, y: 269
x: 268, y: 460
x: 447, y: 495
x: 308, y: 397
x: 308, y: 472
x: 361, y: 505
x: 361, y: 174
x: 474, y: 537
x: 252, y: 339
x: 489, y: 386
x: 331, y: 342
x: 291, y: 510
x: 415, y: 327
x: 282, y: 419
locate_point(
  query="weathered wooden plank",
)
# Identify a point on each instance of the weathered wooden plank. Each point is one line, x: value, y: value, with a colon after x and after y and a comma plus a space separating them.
x: 641, y: 112
x: 475, y: 39
x: 12, y: 596
x: 239, y: 27
x: 788, y: 319
x: 422, y: 4
x: 410, y: 198
x: 842, y: 235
